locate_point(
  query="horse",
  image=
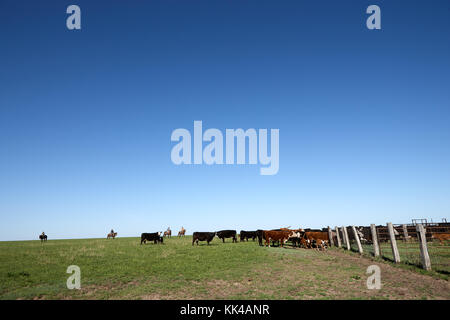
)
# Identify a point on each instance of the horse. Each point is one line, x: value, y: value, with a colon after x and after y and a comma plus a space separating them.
x: 182, y: 232
x: 43, y: 237
x: 168, y: 233
x: 111, y: 235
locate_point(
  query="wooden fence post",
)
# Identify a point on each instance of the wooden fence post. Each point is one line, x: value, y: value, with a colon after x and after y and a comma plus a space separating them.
x: 338, y: 237
x: 344, y: 244
x: 405, y: 232
x: 376, y: 246
x: 393, y: 243
x: 358, y: 242
x: 426, y: 263
x: 347, y: 241
x: 330, y: 236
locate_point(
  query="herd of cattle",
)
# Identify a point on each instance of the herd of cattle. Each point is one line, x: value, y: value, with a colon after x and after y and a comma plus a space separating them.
x: 306, y: 238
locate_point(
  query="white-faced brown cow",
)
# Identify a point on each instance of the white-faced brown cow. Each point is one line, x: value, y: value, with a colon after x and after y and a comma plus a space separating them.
x: 281, y: 236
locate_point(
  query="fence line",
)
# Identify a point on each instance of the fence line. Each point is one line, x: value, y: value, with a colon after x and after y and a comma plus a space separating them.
x: 424, y: 245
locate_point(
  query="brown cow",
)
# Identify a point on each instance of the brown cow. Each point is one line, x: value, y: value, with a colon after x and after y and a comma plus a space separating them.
x: 441, y: 237
x: 281, y: 236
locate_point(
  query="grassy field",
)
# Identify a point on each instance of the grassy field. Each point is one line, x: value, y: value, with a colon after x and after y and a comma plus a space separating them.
x: 123, y: 269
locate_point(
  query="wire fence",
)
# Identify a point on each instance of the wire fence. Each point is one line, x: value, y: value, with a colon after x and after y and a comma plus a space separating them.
x: 407, y: 243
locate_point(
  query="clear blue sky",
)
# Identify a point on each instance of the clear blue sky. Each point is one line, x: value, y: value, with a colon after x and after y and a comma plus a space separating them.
x: 86, y: 116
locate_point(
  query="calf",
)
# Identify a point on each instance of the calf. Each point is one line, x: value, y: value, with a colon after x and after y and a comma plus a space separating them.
x: 320, y: 245
x: 247, y: 234
x: 155, y: 237
x: 319, y: 238
x: 203, y: 236
x: 227, y: 234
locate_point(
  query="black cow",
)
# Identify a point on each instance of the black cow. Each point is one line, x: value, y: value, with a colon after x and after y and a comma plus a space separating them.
x: 247, y: 235
x: 260, y: 235
x: 227, y: 234
x: 202, y: 236
x: 296, y: 241
x: 155, y: 237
